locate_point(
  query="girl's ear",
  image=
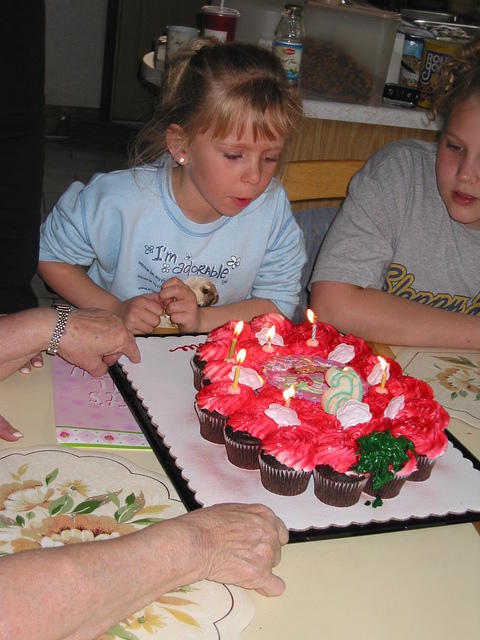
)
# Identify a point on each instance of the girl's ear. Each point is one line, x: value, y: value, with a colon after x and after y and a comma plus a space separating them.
x: 177, y: 144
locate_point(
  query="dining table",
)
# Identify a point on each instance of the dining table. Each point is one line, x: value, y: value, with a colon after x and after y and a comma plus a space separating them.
x: 420, y: 582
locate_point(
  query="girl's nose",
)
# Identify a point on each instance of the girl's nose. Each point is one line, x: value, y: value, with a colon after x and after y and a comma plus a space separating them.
x: 252, y: 173
x: 469, y: 169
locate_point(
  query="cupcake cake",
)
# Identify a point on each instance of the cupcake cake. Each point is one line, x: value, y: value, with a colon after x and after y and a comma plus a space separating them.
x: 355, y: 422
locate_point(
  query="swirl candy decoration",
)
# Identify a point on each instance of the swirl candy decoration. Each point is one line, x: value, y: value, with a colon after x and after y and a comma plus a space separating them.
x: 345, y: 384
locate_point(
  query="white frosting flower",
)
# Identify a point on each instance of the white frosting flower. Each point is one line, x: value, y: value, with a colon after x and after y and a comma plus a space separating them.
x: 248, y: 377
x: 282, y: 415
x: 261, y: 336
x: 375, y: 376
x: 353, y: 412
x: 394, y: 406
x: 342, y: 353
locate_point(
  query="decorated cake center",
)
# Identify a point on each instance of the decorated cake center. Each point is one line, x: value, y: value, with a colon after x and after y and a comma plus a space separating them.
x: 306, y: 373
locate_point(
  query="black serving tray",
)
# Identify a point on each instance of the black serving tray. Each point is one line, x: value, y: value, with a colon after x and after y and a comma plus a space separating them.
x: 187, y: 496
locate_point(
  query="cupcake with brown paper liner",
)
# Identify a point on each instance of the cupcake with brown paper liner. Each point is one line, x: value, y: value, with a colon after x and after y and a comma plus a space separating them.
x: 287, y: 456
x: 422, y: 421
x: 336, y: 482
x: 387, y: 461
x: 215, y: 402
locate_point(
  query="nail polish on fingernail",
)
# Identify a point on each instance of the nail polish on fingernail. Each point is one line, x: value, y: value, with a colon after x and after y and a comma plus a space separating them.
x: 37, y: 363
x: 17, y: 434
x: 25, y: 370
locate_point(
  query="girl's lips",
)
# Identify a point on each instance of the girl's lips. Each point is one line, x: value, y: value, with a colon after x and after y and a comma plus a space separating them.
x: 463, y: 198
x: 242, y: 202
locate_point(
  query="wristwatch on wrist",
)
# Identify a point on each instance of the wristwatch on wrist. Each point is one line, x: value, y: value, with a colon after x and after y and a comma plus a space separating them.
x: 63, y: 311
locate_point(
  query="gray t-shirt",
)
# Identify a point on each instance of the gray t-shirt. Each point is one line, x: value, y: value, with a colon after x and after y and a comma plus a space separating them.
x: 394, y: 233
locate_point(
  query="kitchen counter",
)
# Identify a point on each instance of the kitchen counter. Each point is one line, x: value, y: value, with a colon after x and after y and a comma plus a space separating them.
x: 391, y: 116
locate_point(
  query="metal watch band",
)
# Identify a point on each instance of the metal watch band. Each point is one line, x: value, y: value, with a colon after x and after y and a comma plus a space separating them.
x: 63, y: 311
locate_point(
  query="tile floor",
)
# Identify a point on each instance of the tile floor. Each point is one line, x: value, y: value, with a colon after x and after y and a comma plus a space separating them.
x: 82, y: 150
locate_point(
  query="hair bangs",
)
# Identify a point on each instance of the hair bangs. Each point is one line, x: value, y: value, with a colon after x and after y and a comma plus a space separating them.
x: 269, y: 113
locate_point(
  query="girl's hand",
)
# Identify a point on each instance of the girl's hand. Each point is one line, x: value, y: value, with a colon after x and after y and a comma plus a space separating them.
x: 180, y: 303
x: 140, y: 314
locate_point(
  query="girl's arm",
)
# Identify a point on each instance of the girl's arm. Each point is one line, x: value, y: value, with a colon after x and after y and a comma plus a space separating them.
x: 72, y: 283
x: 384, y: 317
x: 211, y: 317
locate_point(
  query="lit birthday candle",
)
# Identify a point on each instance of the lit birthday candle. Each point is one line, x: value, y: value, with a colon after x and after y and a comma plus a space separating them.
x: 288, y: 394
x: 385, y: 368
x: 270, y: 336
x: 312, y: 341
x: 234, y: 388
x: 236, y: 332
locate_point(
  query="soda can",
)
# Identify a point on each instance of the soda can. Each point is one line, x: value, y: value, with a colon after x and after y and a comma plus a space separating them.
x: 436, y: 52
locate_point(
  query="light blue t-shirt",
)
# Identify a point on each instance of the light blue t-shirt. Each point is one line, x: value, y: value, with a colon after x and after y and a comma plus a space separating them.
x: 127, y: 228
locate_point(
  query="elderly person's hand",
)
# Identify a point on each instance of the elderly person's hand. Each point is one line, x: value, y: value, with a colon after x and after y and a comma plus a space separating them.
x: 241, y: 543
x: 7, y: 432
x: 94, y: 339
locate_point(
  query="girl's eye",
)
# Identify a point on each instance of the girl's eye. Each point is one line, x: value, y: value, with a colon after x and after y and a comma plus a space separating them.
x: 271, y: 159
x: 232, y: 156
x: 454, y: 147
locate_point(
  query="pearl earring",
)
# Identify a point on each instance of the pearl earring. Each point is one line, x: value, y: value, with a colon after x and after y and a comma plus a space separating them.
x: 181, y: 160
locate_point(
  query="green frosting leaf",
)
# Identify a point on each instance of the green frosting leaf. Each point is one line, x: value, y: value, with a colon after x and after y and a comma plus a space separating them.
x: 381, y: 455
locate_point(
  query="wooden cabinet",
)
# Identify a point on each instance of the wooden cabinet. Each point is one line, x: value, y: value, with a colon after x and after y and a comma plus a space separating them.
x: 335, y: 140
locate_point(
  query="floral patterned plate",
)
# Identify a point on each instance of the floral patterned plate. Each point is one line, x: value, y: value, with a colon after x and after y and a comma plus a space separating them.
x: 454, y: 378
x: 50, y: 496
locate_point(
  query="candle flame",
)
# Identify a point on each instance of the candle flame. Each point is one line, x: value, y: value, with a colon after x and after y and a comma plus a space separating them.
x: 271, y: 333
x: 289, y: 393
x: 383, y: 362
x: 238, y: 328
x: 241, y: 355
x: 311, y: 316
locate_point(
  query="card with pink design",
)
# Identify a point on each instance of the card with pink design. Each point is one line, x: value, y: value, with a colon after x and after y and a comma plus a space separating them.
x: 90, y: 412
x: 453, y: 375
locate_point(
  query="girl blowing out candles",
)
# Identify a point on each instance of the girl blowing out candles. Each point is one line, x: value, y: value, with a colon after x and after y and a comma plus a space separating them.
x: 401, y: 262
x: 200, y: 202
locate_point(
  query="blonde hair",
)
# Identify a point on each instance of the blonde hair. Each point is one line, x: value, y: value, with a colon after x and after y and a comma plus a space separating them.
x: 459, y: 81
x: 224, y: 86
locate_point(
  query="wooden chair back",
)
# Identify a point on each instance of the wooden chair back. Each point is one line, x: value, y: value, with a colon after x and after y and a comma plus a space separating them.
x: 318, y: 179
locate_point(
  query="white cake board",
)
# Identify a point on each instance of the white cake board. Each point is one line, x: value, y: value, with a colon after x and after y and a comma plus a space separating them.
x: 163, y: 382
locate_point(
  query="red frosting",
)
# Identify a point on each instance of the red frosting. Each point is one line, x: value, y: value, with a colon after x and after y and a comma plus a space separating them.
x: 337, y: 448
x: 283, y: 326
x: 423, y: 422
x: 253, y: 420
x: 218, y: 397
x: 294, y: 447
x: 225, y: 333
